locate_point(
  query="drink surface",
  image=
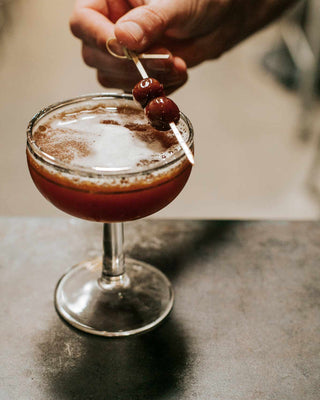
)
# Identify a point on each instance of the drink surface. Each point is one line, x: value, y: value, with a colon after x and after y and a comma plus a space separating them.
x: 99, y: 136
x: 101, y: 160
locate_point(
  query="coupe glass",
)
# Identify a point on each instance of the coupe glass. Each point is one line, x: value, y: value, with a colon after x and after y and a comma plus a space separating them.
x: 112, y: 295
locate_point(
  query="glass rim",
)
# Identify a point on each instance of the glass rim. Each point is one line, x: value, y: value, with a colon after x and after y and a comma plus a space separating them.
x: 93, y: 172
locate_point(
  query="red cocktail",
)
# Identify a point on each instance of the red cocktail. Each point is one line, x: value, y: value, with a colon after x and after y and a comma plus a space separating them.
x: 96, y: 157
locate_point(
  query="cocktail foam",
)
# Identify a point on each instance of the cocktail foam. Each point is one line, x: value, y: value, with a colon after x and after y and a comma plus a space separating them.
x: 103, y: 137
x: 106, y: 143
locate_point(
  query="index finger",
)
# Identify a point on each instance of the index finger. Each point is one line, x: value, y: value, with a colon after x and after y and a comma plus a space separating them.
x: 89, y: 23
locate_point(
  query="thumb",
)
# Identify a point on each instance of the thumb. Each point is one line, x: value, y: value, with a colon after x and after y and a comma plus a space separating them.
x: 142, y: 26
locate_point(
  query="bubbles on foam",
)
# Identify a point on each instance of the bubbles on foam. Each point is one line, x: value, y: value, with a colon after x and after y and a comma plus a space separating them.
x: 114, y: 146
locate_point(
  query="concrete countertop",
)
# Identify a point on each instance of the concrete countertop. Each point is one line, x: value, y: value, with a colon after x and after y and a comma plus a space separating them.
x: 245, y: 323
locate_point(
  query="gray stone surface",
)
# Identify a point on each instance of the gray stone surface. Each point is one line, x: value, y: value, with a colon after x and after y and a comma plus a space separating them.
x: 245, y: 324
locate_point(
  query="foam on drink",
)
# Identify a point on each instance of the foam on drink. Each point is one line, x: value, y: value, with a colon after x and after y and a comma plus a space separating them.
x: 101, y: 160
x: 103, y: 137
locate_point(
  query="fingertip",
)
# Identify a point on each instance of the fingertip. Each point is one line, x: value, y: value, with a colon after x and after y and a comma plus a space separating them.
x: 181, y: 68
x: 179, y: 64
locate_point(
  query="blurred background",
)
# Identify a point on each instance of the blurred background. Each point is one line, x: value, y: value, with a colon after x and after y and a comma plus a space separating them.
x: 254, y: 111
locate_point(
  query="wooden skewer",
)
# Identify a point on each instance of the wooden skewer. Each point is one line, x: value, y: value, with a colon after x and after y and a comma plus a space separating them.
x: 182, y: 143
x: 135, y: 58
x: 140, y: 67
x: 126, y: 54
x: 173, y: 126
x: 147, y: 56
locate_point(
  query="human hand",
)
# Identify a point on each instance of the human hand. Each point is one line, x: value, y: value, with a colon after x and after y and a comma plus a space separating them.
x: 192, y: 30
x: 93, y: 21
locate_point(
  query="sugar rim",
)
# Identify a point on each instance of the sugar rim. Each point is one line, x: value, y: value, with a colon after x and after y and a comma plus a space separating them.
x: 96, y: 172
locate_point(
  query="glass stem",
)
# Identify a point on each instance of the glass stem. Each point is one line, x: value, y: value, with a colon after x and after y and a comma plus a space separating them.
x: 113, y: 255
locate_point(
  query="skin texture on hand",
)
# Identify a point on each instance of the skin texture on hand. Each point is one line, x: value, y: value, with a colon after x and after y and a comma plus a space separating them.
x: 192, y: 31
x: 196, y: 30
x: 93, y: 22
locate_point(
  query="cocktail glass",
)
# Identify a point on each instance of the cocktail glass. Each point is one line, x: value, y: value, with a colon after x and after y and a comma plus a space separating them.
x: 112, y: 295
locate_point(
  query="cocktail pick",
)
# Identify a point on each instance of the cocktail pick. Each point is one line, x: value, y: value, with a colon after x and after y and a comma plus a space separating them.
x: 126, y: 53
x: 131, y: 55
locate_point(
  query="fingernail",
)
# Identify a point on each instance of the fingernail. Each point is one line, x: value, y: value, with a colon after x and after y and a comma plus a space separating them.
x: 132, y: 29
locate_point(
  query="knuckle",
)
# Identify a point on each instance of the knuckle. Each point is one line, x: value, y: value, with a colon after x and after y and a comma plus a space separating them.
x: 88, y: 56
x: 103, y: 79
x: 101, y: 42
x: 157, y: 16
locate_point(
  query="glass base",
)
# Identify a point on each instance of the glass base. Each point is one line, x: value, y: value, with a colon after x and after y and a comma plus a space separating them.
x: 114, y: 306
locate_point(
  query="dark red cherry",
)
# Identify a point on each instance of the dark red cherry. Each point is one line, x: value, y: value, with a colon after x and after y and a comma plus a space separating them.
x: 146, y: 90
x: 161, y: 111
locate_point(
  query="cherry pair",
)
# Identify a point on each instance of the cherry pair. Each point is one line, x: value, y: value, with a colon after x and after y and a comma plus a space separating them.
x: 160, y: 110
